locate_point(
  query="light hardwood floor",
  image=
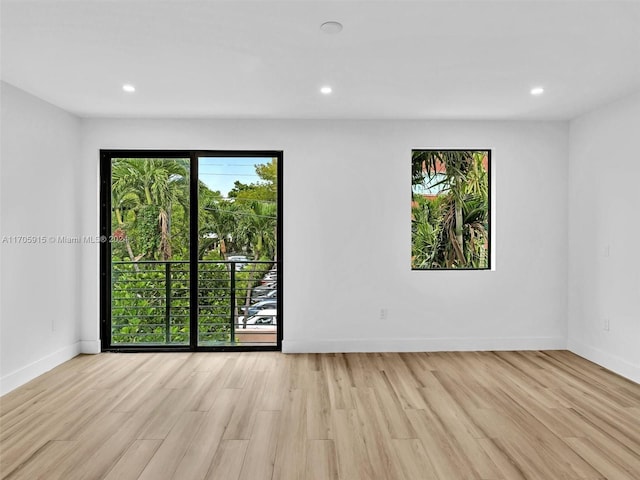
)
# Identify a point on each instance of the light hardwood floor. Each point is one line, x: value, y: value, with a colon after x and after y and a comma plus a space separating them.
x: 252, y: 416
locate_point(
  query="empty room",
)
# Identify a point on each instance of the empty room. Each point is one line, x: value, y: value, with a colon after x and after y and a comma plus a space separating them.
x: 319, y: 239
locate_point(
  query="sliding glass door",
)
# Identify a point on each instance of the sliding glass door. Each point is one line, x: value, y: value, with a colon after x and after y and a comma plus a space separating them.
x: 150, y: 251
x: 191, y: 252
x: 238, y: 269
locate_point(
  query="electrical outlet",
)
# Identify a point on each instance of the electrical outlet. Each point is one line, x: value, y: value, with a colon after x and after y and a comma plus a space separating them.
x: 605, y: 324
x: 383, y: 314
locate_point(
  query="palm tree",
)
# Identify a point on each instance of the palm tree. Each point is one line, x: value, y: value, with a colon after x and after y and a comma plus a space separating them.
x: 256, y: 232
x: 426, y: 226
x: 463, y: 183
x: 220, y: 218
x: 151, y: 187
x: 257, y: 228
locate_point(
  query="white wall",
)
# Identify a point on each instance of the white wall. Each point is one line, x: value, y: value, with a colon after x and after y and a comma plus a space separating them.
x: 347, y: 231
x: 39, y: 305
x: 604, y: 234
x: 347, y: 239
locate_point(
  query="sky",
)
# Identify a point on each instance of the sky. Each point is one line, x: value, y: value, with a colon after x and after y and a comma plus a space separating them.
x: 219, y: 173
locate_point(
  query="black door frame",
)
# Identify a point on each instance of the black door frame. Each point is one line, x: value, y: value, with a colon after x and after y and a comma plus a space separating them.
x: 106, y: 157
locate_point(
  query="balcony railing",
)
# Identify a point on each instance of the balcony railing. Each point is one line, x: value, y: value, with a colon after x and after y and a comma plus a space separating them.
x: 150, y: 303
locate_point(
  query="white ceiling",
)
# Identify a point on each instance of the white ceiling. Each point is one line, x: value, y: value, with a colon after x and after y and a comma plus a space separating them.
x: 266, y: 59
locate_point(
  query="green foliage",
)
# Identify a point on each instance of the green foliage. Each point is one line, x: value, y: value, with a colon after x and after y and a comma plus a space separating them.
x: 239, y: 226
x: 268, y: 172
x: 426, y: 232
x: 150, y: 200
x: 265, y: 190
x: 147, y: 229
x: 139, y: 302
x: 139, y: 305
x: 450, y: 230
x: 214, y: 316
x: 142, y: 188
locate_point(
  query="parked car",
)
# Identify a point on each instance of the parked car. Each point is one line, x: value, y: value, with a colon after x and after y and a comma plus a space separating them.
x: 266, y: 318
x: 239, y: 259
x: 266, y: 287
x: 259, y: 306
x: 264, y: 295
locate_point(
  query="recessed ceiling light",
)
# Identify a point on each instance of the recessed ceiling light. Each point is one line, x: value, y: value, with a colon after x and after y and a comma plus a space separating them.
x: 331, y: 27
x: 127, y: 87
x: 326, y: 90
x: 537, y: 91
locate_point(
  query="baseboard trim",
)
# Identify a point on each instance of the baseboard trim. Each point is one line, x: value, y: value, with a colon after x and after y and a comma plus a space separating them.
x: 604, y: 359
x: 423, y: 345
x: 27, y: 373
x: 90, y: 347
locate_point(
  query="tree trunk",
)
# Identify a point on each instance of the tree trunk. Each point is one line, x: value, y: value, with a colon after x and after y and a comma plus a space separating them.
x: 165, y: 243
x: 247, y: 298
x: 223, y: 247
x: 131, y: 256
x: 460, y: 249
x: 126, y: 240
x: 119, y: 217
x: 147, y: 194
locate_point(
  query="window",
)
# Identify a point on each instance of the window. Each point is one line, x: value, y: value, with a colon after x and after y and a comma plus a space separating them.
x: 450, y: 209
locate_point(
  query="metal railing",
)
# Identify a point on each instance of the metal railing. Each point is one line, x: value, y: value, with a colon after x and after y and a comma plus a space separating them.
x: 150, y: 303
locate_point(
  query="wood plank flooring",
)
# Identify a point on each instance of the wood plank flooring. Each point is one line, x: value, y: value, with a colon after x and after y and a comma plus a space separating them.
x: 264, y: 415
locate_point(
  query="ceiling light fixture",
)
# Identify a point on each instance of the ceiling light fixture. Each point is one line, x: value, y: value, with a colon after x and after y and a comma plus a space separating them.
x: 127, y: 87
x: 326, y: 90
x: 537, y: 91
x: 331, y: 27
